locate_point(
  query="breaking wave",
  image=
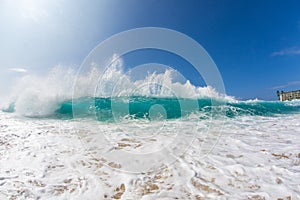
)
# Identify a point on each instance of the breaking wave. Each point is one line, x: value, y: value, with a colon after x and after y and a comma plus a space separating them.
x: 114, y: 94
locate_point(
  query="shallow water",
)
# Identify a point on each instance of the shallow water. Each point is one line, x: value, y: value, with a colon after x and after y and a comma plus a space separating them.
x: 244, y: 157
x: 114, y: 135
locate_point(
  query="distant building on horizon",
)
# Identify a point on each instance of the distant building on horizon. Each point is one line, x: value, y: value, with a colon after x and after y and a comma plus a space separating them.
x: 287, y: 96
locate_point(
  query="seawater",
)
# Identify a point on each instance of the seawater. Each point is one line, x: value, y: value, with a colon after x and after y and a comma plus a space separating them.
x: 147, y: 139
x: 135, y: 107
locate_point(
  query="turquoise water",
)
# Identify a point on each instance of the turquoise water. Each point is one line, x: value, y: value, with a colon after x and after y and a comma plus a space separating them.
x: 170, y: 108
x: 157, y: 108
x: 157, y: 97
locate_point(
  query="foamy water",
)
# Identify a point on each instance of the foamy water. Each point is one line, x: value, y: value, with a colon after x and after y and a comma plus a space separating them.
x: 108, y: 135
x: 256, y: 157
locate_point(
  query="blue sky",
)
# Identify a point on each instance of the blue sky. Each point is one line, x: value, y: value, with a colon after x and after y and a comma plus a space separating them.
x: 255, y: 44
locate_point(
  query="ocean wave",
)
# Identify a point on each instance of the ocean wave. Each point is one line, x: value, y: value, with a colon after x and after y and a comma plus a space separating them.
x: 160, y: 108
x: 113, y: 94
x: 36, y: 95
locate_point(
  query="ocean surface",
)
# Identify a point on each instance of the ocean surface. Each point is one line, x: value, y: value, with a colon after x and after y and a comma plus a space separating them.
x: 112, y: 109
x: 144, y: 143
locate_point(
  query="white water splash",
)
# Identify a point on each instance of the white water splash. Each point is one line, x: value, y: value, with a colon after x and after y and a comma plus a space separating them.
x: 35, y: 95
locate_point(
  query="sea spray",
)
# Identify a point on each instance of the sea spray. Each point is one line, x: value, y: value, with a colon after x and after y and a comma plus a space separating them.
x: 51, y: 95
x: 114, y: 94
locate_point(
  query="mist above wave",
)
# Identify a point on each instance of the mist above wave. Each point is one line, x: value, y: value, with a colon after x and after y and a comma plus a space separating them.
x: 41, y: 95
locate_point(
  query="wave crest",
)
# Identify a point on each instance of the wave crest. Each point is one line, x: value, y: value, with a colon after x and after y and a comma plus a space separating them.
x: 36, y: 95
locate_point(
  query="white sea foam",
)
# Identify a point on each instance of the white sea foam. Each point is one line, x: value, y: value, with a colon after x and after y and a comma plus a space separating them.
x: 37, y: 95
x: 255, y: 158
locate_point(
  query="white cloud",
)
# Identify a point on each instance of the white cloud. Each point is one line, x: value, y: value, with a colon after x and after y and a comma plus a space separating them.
x: 286, y: 85
x: 29, y: 10
x: 290, y: 51
x: 20, y: 70
x: 32, y: 10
